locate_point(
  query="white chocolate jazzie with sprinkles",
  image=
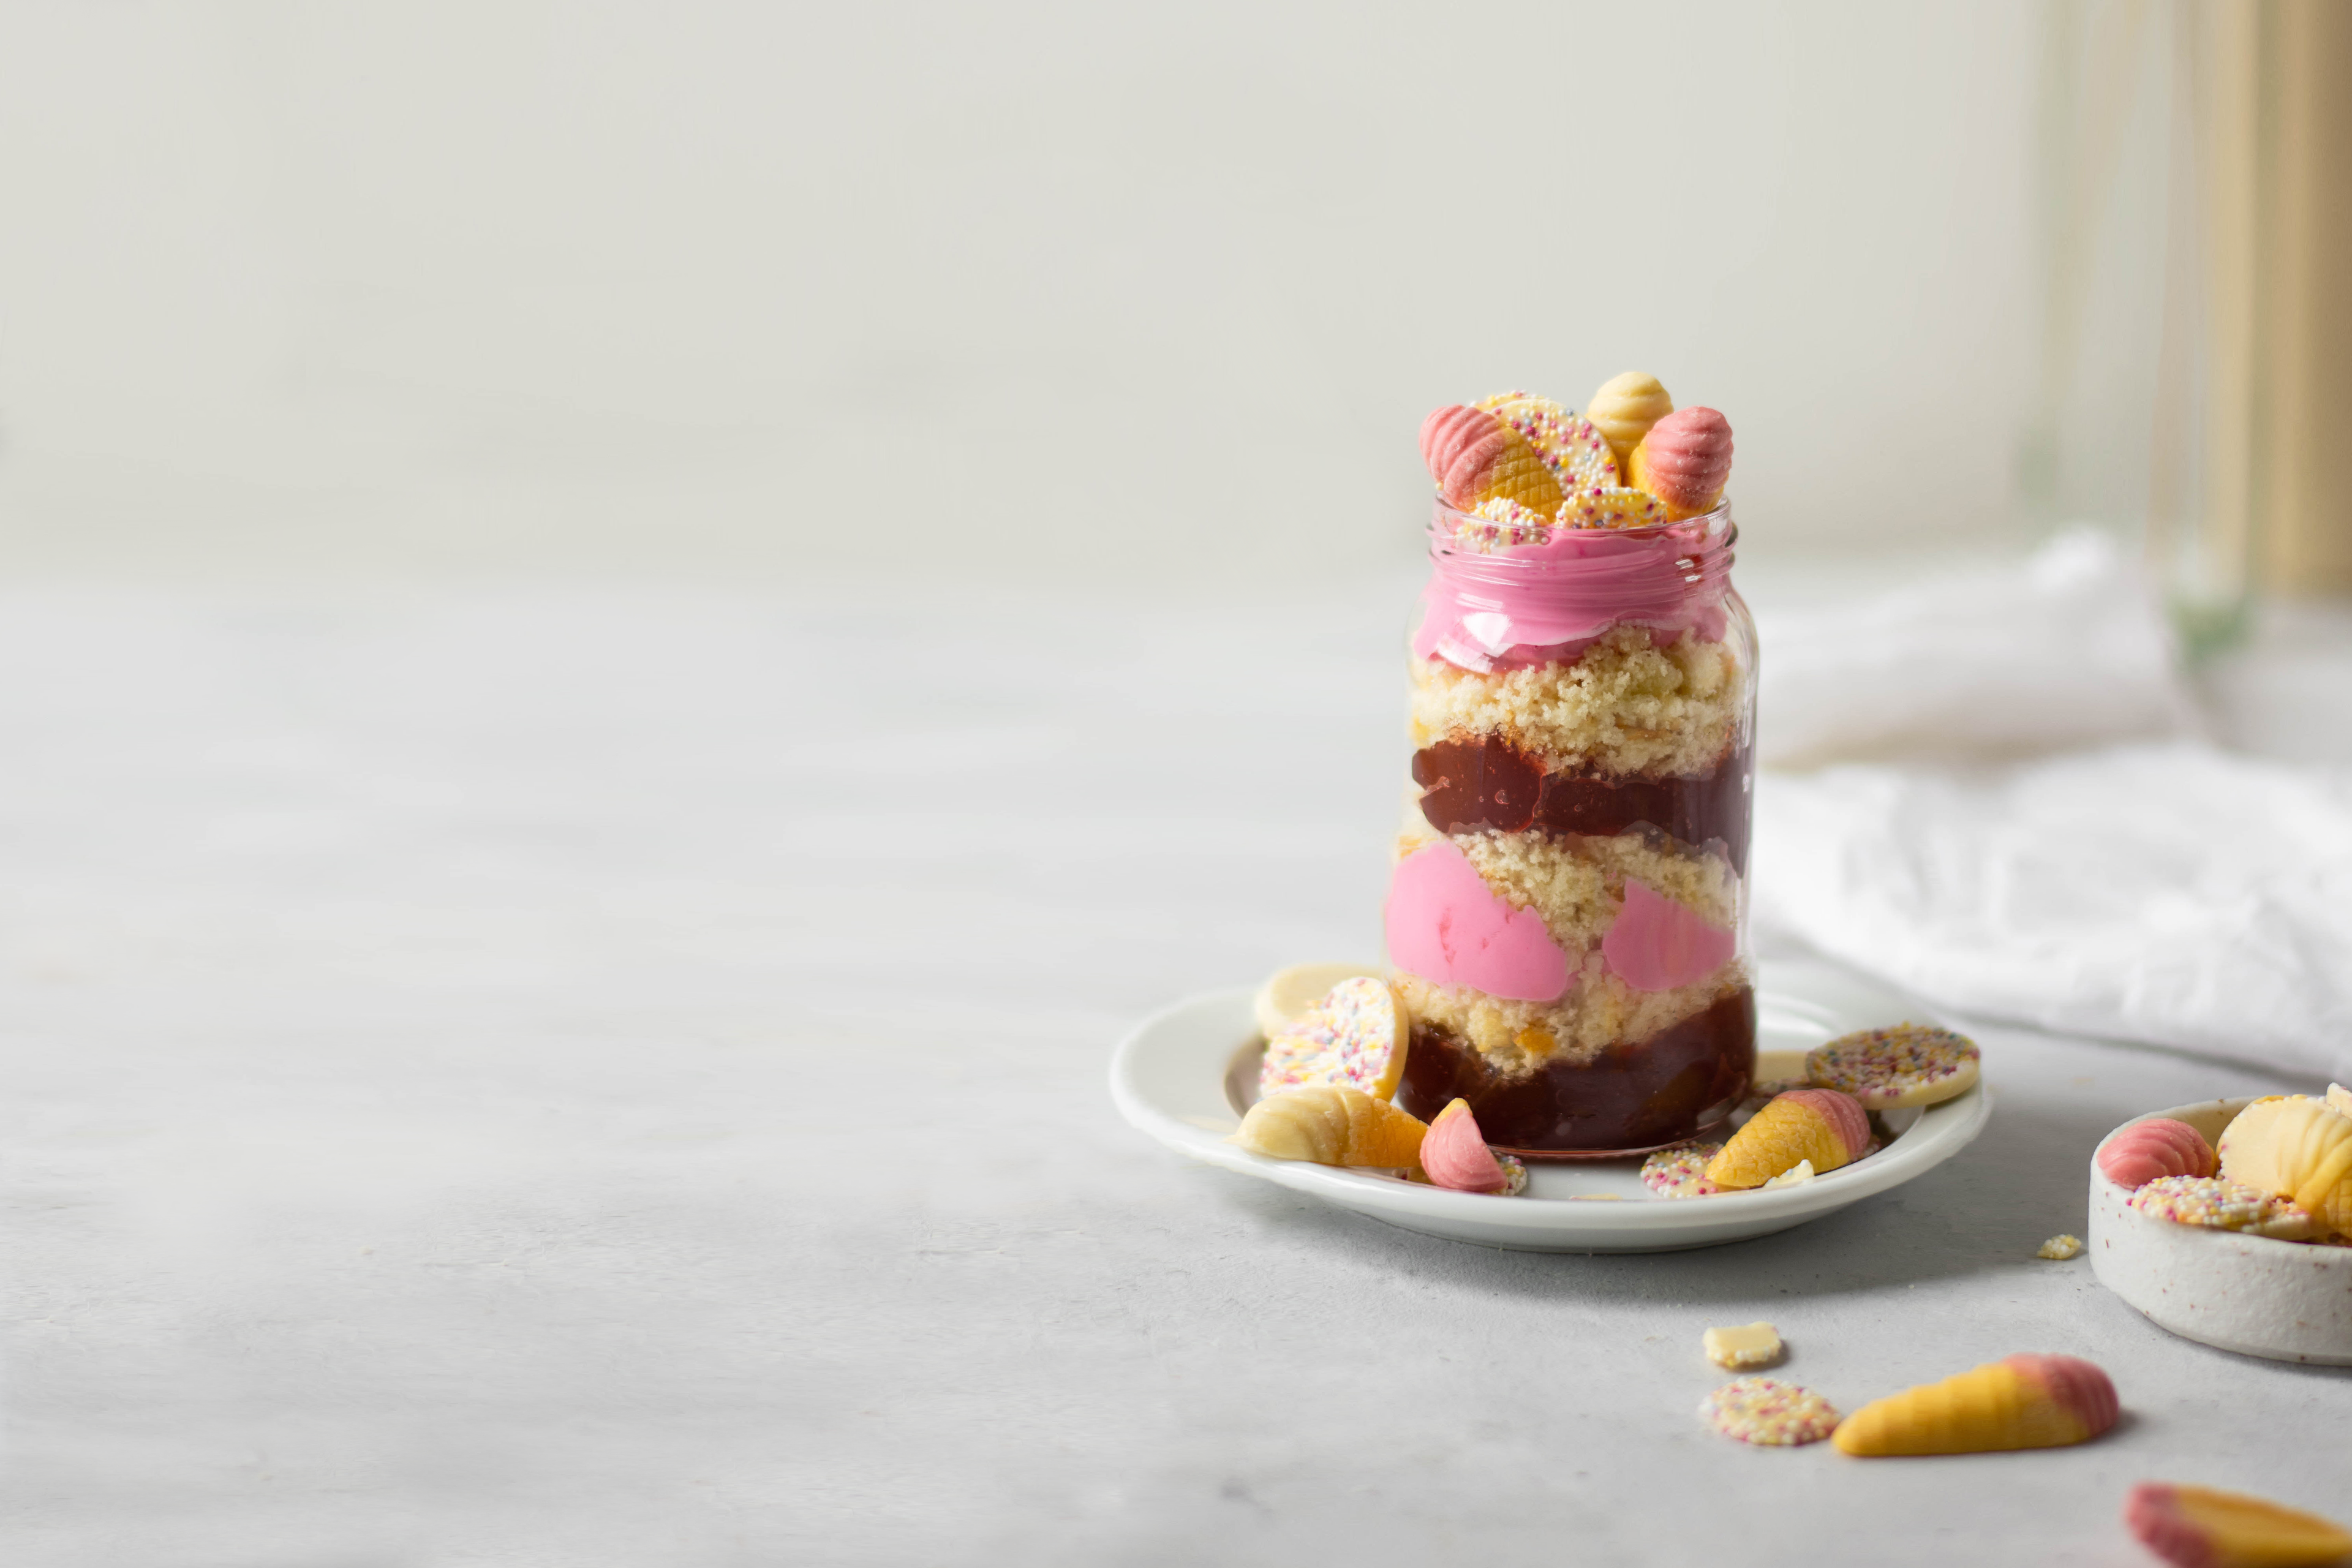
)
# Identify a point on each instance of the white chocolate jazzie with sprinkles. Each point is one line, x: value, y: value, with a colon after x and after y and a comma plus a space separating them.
x: 1768, y: 1412
x: 2219, y: 1204
x: 1681, y: 1173
x: 1910, y: 1064
x: 1355, y: 1037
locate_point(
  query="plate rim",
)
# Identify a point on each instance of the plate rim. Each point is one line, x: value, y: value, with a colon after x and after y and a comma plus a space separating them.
x: 1943, y: 1131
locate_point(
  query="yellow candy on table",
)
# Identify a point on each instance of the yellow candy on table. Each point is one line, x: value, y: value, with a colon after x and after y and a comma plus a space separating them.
x: 1820, y: 1125
x: 1624, y: 408
x: 2017, y: 1401
x: 1332, y: 1126
x: 2205, y: 1528
x: 2297, y: 1148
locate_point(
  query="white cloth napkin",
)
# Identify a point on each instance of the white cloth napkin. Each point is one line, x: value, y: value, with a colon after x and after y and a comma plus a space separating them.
x: 2158, y: 890
x: 2065, y: 649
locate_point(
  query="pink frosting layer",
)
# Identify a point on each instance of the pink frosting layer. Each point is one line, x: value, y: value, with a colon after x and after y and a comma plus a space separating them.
x: 2073, y: 1385
x: 1657, y: 944
x: 1446, y: 925
x: 1535, y: 603
x: 1454, y: 1155
x: 1842, y: 1111
x: 2159, y: 1146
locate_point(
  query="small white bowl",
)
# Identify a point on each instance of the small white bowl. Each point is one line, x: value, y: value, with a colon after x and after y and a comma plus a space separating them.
x: 2280, y: 1299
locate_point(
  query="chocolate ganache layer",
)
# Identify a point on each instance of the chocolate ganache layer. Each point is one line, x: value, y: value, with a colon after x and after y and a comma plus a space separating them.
x: 1484, y: 782
x: 1632, y: 1097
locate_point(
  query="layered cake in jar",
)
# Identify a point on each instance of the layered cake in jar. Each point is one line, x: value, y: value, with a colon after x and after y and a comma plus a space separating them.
x: 1566, y: 918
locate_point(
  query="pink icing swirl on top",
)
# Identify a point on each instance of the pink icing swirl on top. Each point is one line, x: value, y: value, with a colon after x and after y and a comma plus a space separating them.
x: 1535, y: 603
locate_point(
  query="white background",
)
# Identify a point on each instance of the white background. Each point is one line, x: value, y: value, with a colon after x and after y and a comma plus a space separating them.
x: 1000, y: 290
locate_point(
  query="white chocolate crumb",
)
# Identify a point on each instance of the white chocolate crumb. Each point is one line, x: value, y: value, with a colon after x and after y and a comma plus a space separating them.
x: 1757, y: 1344
x: 1796, y: 1176
x: 2059, y: 1248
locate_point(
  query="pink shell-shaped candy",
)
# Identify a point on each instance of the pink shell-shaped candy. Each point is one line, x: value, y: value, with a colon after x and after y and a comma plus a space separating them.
x: 1688, y: 456
x: 2157, y: 1147
x: 1461, y: 446
x: 1454, y: 1155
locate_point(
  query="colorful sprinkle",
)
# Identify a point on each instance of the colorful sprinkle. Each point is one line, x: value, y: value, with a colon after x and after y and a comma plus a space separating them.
x: 1354, y: 1037
x: 1610, y: 506
x: 1571, y: 446
x: 1911, y: 1064
x: 1502, y: 524
x: 2059, y: 1248
x: 2220, y: 1204
x: 1768, y: 1412
x: 1681, y: 1173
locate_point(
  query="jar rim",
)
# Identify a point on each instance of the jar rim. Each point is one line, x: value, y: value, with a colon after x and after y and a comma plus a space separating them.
x: 1710, y: 535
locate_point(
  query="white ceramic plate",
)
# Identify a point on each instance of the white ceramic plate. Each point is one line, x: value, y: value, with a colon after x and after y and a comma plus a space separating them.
x: 1169, y: 1079
x: 2280, y: 1299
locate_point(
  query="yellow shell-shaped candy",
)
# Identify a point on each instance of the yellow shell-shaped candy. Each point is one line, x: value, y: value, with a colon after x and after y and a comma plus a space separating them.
x: 2298, y: 1148
x: 1625, y: 408
x: 1332, y: 1126
x: 1778, y: 1138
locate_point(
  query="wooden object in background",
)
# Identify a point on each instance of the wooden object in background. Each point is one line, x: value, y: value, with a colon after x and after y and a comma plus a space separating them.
x: 2302, y: 505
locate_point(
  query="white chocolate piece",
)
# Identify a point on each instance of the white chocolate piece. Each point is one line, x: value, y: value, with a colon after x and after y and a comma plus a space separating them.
x: 1624, y: 408
x: 2059, y: 1248
x: 1331, y: 1125
x: 1284, y: 999
x: 1795, y: 1175
x: 1757, y: 1344
x: 2297, y: 1148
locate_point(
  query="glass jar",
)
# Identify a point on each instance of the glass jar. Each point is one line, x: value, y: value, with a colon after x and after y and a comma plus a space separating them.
x: 1566, y: 916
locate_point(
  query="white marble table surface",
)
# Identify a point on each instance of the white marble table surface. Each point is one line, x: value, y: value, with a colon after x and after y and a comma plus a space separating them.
x: 618, y: 1077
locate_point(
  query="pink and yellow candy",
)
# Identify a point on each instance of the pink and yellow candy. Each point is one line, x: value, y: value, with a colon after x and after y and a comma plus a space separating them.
x: 2198, y: 1527
x: 2017, y: 1401
x: 1685, y: 460
x: 1572, y: 447
x: 1475, y: 457
x: 1816, y: 1124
